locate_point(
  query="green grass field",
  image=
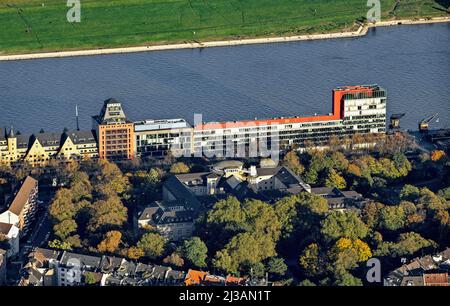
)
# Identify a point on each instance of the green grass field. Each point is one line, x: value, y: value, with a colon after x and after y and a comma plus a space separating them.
x: 41, y: 25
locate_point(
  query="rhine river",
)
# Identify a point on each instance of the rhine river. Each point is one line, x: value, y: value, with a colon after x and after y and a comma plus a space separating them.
x: 231, y: 83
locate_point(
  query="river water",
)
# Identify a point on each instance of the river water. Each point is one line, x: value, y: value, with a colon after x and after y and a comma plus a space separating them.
x: 230, y: 83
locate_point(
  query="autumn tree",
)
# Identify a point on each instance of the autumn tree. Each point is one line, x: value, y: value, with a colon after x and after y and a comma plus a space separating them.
x: 62, y: 207
x: 292, y: 161
x: 347, y: 253
x: 392, y: 217
x: 110, y: 243
x: 311, y: 260
x: 108, y: 213
x: 111, y: 175
x: 178, y: 168
x: 437, y: 155
x: 135, y: 253
x: 370, y: 214
x: 334, y: 179
x: 174, y: 259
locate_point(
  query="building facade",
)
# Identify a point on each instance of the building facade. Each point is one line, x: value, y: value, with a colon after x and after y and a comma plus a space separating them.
x: 173, y: 220
x: 23, y: 208
x: 154, y: 138
x: 12, y: 234
x: 38, y: 149
x: 116, y: 140
x: 356, y: 109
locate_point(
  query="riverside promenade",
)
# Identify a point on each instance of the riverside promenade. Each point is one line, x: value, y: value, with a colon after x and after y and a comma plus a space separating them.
x: 361, y: 31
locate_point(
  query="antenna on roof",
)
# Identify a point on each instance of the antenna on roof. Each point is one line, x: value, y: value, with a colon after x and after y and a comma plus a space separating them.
x: 76, y: 115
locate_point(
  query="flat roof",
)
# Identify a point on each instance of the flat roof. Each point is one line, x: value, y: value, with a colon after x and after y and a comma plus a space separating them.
x: 160, y: 124
x: 335, y: 116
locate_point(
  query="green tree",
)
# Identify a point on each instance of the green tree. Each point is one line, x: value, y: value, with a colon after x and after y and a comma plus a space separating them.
x: 261, y: 218
x: 344, y: 278
x: 344, y: 224
x: 392, y: 218
x: 58, y: 244
x: 62, y: 207
x: 64, y: 228
x: 80, y: 187
x: 431, y: 201
x: 196, y: 252
x: 277, y: 266
x: 244, y: 249
x: 228, y: 213
x: 444, y: 193
x: 409, y: 193
x: 339, y: 161
x: 407, y: 244
x: 152, y: 244
x: 307, y: 283
x: 89, y: 278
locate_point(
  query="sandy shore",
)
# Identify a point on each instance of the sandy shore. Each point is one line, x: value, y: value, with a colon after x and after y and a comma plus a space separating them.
x: 360, y: 32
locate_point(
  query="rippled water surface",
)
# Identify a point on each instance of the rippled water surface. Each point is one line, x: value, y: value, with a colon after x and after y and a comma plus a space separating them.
x: 411, y: 62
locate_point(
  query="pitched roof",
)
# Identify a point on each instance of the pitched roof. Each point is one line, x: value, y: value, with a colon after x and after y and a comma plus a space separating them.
x: 81, y: 137
x: 181, y: 192
x: 111, y: 113
x: 23, y: 195
x: 23, y: 140
x: 48, y: 139
x: 194, y: 277
x: 436, y: 279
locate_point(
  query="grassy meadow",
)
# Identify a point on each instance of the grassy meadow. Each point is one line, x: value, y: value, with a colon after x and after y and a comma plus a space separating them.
x: 41, y: 25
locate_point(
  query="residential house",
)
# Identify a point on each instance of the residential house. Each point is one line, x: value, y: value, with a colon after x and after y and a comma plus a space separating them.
x: 338, y: 199
x: 430, y: 270
x: 174, y: 220
x: 11, y: 233
x: 22, y: 210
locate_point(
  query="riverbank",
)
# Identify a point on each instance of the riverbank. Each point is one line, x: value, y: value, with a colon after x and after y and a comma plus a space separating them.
x: 362, y: 31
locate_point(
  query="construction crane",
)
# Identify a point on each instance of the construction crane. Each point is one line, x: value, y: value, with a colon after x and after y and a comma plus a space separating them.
x: 395, y: 120
x: 424, y: 123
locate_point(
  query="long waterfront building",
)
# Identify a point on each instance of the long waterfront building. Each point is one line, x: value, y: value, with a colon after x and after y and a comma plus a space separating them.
x: 356, y: 110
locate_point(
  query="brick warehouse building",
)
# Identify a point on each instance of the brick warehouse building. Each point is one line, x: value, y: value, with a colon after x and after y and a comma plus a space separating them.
x: 115, y: 134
